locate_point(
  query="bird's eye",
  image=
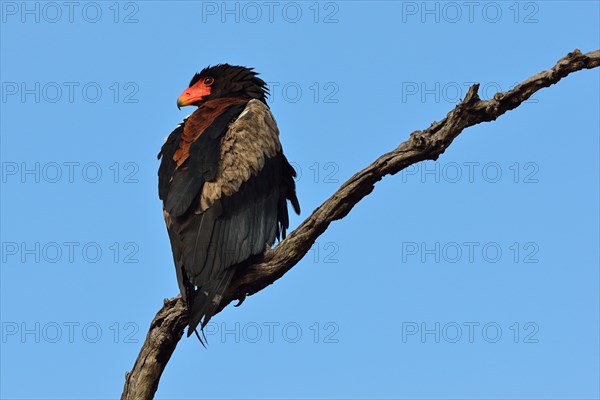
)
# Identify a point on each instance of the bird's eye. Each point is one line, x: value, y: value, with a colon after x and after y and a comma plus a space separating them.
x: 208, y: 81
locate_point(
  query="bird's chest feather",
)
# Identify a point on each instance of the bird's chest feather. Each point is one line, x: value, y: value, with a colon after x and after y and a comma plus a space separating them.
x: 198, y: 122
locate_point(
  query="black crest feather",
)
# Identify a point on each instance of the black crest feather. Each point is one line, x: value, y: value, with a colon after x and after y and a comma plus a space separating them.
x: 233, y: 80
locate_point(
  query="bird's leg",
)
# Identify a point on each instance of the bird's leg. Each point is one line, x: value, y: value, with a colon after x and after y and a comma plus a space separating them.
x: 241, y: 300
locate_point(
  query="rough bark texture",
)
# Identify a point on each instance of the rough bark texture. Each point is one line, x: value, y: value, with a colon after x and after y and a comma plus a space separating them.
x: 165, y: 331
x: 168, y: 325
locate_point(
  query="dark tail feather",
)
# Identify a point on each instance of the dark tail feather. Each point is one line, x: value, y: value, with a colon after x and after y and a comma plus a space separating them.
x: 199, y: 338
x: 204, y: 303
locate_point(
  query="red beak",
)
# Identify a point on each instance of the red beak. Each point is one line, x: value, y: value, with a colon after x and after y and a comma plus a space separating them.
x: 192, y: 95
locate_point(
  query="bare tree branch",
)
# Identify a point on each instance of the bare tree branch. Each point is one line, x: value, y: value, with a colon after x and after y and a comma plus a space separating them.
x: 165, y: 331
x: 168, y: 325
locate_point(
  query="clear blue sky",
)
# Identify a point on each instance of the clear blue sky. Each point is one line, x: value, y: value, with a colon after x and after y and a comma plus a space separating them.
x: 473, y: 277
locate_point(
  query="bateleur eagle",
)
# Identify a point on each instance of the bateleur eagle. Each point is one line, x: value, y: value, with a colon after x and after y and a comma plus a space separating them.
x: 224, y: 183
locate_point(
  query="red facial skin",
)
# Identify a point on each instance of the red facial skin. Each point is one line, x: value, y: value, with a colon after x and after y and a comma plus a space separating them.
x: 194, y: 94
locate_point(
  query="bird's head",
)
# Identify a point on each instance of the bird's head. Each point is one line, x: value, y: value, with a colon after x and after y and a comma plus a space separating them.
x: 223, y: 80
